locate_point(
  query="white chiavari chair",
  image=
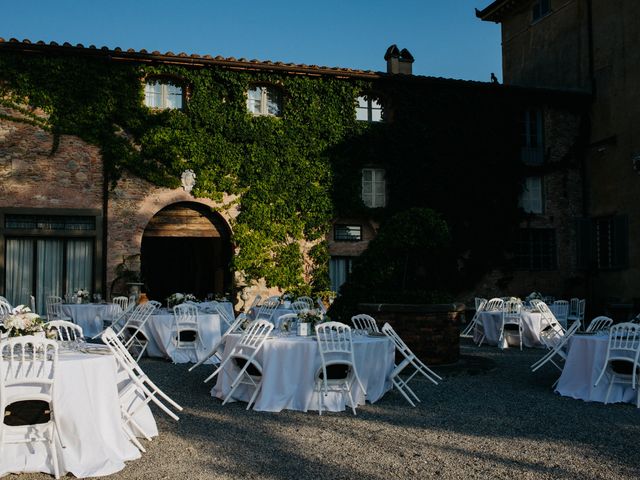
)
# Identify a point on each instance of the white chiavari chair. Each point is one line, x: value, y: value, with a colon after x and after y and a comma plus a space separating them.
x: 365, y: 323
x: 66, y: 331
x: 243, y: 357
x: 475, y: 320
x: 218, y: 347
x: 338, y: 369
x: 28, y: 367
x: 410, y: 361
x: 622, y: 364
x: 268, y: 307
x: 559, y: 352
x: 54, y: 309
x: 132, y: 334
x: 186, y: 334
x: 600, y: 323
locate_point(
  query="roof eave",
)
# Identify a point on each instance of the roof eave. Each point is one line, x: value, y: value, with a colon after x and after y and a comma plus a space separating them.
x: 496, y: 11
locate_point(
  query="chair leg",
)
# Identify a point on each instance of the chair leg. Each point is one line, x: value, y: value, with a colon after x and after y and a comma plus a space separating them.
x: 613, y: 378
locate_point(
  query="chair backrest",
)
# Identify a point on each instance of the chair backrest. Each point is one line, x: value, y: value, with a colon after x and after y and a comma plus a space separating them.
x: 54, y: 307
x: 560, y: 309
x: 511, y: 311
x: 573, y: 306
x: 28, y: 360
x: 255, y: 302
x: 255, y: 334
x: 307, y: 300
x: 123, y: 356
x: 139, y: 317
x: 365, y: 322
x: 402, y: 347
x: 300, y: 306
x: 185, y: 315
x: 479, y: 301
x: 66, y: 331
x: 599, y: 323
x: 286, y: 318
x: 236, y: 326
x: 494, y: 305
x: 333, y: 338
x: 267, y: 308
x: 122, y: 302
x: 624, y: 342
x: 582, y: 305
x: 5, y: 308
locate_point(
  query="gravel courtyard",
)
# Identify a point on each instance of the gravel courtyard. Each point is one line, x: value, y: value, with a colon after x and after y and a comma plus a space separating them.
x: 489, y: 418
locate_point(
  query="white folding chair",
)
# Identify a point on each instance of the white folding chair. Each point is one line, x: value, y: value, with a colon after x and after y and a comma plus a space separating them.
x: 119, y: 318
x: 410, y: 360
x: 54, y: 309
x: 365, y: 323
x: 243, y: 356
x: 218, y: 347
x: 28, y: 367
x: 66, y: 331
x: 475, y: 320
x: 132, y: 334
x: 5, y: 308
x: 307, y: 300
x: 139, y: 390
x: 578, y: 312
x: 286, y: 318
x: 186, y: 334
x: 559, y: 351
x: 493, y: 305
x: 338, y: 368
x: 255, y: 303
x: 299, y: 306
x: 552, y: 331
x: 621, y: 363
x: 265, y: 311
x: 216, y: 307
x: 599, y: 323
x: 560, y: 309
x: 511, y: 322
x: 121, y: 301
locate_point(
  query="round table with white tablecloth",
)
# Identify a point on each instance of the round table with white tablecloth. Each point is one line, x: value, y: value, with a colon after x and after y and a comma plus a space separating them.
x: 582, y: 368
x: 88, y: 413
x: 289, y: 366
x: 160, y: 331
x: 532, y: 325
x: 90, y: 316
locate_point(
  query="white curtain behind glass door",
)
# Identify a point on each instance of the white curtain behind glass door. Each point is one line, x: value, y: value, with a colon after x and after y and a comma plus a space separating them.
x: 19, y: 270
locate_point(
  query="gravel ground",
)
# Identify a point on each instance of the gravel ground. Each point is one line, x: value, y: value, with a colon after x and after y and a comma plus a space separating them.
x: 489, y: 418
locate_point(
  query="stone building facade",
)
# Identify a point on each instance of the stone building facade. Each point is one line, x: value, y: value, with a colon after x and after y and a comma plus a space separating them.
x: 590, y: 46
x: 56, y: 203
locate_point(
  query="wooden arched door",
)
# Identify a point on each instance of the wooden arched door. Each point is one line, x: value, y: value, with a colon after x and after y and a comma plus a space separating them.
x: 186, y: 248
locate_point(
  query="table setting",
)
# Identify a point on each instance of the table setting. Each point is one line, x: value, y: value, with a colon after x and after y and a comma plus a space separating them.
x: 91, y: 440
x: 289, y: 363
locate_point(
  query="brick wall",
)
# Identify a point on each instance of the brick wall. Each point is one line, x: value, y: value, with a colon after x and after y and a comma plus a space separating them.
x: 431, y: 331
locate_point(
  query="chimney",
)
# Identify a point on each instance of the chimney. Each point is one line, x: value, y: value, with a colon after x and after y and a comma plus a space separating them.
x: 398, y: 61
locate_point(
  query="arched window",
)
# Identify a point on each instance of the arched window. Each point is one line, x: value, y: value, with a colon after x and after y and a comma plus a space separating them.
x: 162, y: 93
x: 264, y: 100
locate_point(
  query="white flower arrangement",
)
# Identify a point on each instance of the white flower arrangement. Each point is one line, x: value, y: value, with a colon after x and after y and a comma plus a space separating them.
x: 22, y: 321
x: 82, y: 293
x: 178, y: 298
x: 313, y: 316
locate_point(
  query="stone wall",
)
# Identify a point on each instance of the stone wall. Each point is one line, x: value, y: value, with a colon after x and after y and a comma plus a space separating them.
x: 32, y: 176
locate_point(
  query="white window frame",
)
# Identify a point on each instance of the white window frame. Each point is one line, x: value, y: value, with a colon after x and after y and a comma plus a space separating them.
x: 532, y: 197
x: 370, y: 108
x: 264, y: 101
x: 164, y: 94
x: 374, y: 191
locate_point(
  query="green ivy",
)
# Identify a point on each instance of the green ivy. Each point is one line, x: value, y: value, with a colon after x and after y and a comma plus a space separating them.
x: 445, y: 146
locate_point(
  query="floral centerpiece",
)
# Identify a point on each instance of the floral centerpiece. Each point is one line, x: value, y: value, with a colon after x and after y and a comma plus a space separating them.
x: 82, y: 295
x: 178, y: 298
x: 308, y: 319
x: 22, y: 321
x: 534, y: 296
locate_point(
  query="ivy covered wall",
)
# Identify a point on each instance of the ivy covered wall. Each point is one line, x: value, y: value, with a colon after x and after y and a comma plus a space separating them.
x: 448, y: 145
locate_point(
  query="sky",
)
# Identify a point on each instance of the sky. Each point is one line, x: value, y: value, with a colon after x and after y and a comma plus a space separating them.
x: 444, y: 36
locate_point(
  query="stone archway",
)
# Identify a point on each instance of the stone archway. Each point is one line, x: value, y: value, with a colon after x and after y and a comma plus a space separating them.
x: 186, y: 248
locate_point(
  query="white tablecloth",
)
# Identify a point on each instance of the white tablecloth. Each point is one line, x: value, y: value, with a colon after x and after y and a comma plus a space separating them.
x: 582, y: 368
x: 289, y: 367
x: 532, y: 325
x: 88, y: 412
x: 159, y: 330
x: 89, y: 315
